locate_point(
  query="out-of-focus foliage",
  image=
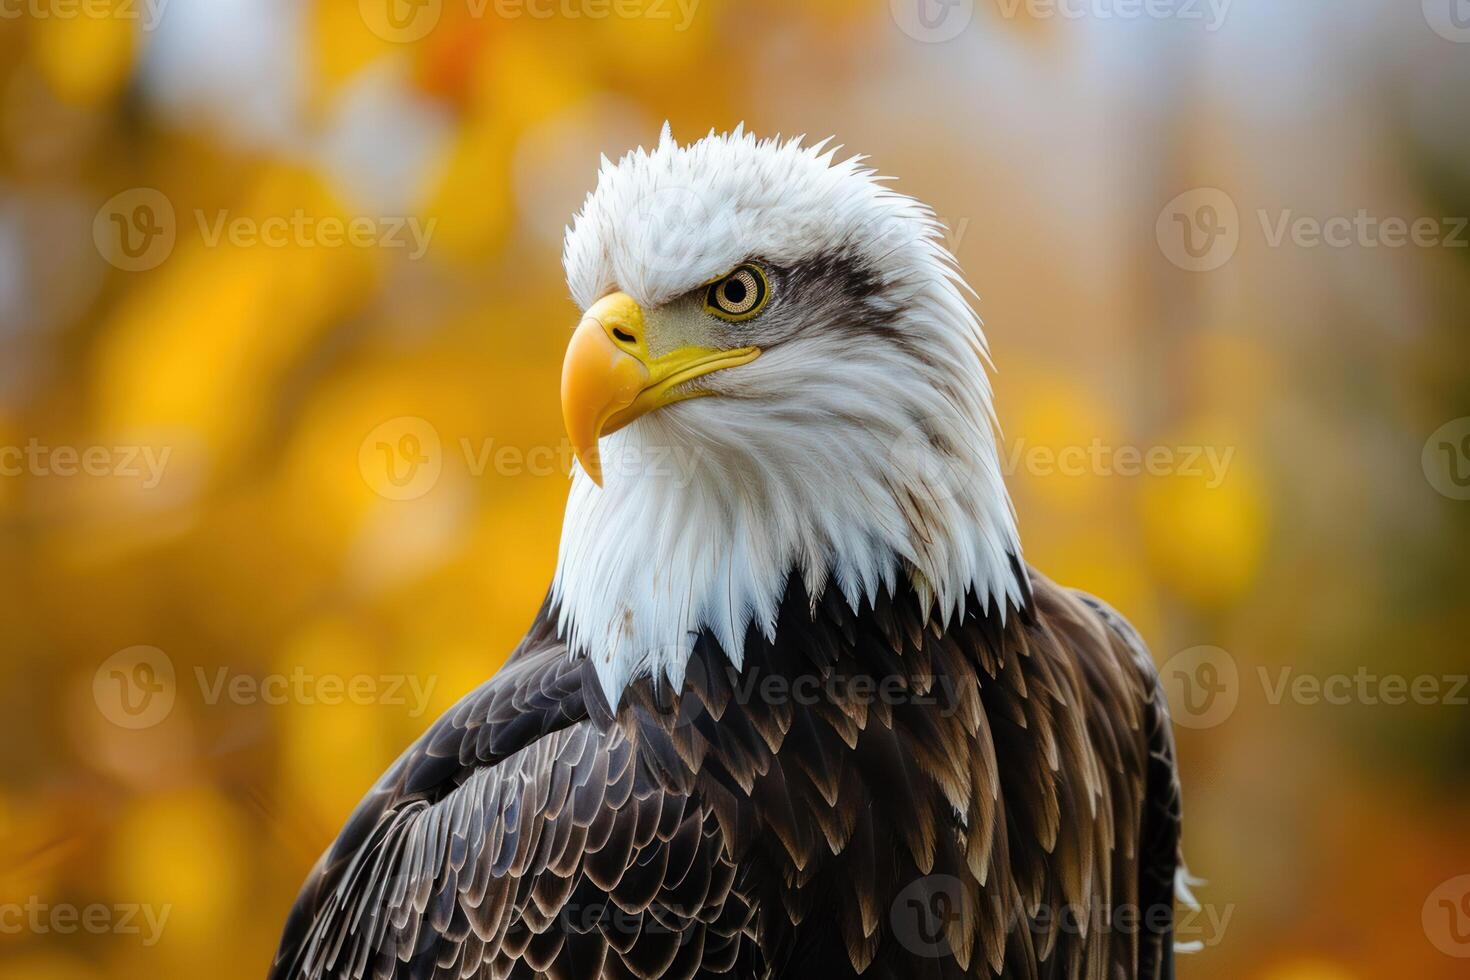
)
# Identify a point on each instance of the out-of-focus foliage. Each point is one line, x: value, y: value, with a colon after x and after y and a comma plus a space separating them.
x: 327, y: 469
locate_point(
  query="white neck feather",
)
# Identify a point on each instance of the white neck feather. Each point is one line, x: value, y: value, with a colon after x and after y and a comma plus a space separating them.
x: 886, y: 467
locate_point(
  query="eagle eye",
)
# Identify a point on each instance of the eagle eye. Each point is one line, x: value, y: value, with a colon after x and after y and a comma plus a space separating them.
x: 739, y: 296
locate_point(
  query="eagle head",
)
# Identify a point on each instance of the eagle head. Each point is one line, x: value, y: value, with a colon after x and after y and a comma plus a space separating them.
x: 777, y: 373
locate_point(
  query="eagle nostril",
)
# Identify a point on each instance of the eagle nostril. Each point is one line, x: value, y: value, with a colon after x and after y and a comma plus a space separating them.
x: 624, y: 336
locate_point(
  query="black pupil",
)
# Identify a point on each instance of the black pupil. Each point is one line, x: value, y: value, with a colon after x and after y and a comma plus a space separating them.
x: 735, y: 291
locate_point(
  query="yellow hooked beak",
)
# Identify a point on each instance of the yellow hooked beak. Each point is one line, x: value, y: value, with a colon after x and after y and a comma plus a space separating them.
x: 609, y: 378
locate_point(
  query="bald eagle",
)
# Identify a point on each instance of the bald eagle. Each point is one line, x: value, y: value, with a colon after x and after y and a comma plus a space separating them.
x: 795, y: 705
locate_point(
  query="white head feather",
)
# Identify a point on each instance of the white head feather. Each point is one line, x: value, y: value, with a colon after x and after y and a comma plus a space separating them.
x: 844, y: 456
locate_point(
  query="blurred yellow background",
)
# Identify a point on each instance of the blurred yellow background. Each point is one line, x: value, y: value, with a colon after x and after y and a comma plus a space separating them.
x: 281, y: 317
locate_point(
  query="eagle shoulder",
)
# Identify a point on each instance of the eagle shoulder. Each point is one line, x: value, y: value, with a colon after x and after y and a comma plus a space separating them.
x: 1121, y: 652
x: 520, y: 835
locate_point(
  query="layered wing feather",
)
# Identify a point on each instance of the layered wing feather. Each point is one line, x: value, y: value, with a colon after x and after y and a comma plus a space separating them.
x: 523, y: 835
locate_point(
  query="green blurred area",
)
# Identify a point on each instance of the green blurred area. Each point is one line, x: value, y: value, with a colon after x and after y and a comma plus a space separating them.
x: 248, y: 248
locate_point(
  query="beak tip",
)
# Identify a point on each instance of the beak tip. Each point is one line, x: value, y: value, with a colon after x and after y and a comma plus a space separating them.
x: 588, y: 457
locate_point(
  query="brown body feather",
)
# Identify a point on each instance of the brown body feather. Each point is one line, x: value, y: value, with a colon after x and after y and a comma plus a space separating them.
x: 872, y: 794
